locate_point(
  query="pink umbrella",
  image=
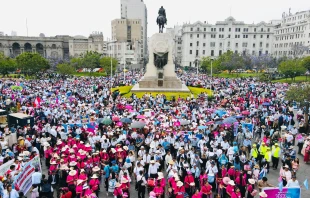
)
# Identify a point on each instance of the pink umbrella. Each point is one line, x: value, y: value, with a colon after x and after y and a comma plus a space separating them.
x: 119, y: 124
x: 131, y: 110
x: 140, y: 116
x: 115, y: 119
x: 177, y: 123
x: 209, y: 123
x: 245, y: 112
x: 128, y: 107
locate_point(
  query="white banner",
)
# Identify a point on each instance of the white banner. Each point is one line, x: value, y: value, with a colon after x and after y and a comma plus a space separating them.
x: 5, y: 167
x: 23, y: 181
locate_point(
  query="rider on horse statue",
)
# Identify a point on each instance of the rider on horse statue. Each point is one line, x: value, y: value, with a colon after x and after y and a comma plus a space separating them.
x: 162, y: 14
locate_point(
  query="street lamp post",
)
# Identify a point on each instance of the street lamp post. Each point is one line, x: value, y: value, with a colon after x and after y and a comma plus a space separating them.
x: 197, y: 62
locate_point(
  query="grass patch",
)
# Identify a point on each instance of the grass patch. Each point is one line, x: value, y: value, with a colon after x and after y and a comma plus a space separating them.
x: 289, y: 80
x: 236, y: 75
x: 95, y: 74
x: 125, y: 92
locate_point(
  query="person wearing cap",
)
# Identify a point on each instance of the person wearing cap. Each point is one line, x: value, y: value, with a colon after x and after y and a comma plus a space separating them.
x: 276, y: 153
x: 262, y: 151
x: 286, y: 175
x: 142, y: 183
x: 153, y: 169
x: 254, y: 151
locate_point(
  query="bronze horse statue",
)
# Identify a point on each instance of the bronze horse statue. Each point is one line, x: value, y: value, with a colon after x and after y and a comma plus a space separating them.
x: 161, y: 19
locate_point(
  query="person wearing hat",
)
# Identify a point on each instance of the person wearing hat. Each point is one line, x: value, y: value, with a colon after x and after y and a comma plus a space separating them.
x: 158, y: 190
x: 262, y: 151
x: 251, y: 189
x: 230, y: 187
x: 267, y: 158
x: 254, y: 151
x: 141, y: 183
x: 286, y: 175
x: 206, y: 190
x: 153, y: 169
x: 179, y: 191
x: 94, y: 184
x: 262, y: 194
x: 72, y: 177
x: 276, y: 153
x: 118, y: 192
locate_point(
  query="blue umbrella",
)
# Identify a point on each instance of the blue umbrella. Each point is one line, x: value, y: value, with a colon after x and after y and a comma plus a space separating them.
x: 239, y: 116
x: 266, y: 103
x: 126, y: 120
x: 202, y: 127
x: 220, y: 112
x: 229, y: 120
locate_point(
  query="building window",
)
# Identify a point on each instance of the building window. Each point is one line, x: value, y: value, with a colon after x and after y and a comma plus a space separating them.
x: 261, y: 36
x: 228, y: 35
x: 262, y: 29
x: 267, y: 45
x: 212, y: 44
x: 191, y: 36
x: 190, y: 44
x: 191, y: 29
x: 236, y: 44
x: 229, y: 29
x: 204, y: 29
x: 220, y: 52
x: 236, y: 51
x: 197, y: 52
x: 221, y: 44
x: 261, y: 44
x: 198, y: 29
x: 253, y: 52
x: 203, y: 52
x: 254, y: 29
x: 197, y: 35
x: 266, y: 52
x: 268, y: 36
x: 190, y: 64
x: 253, y: 45
x: 197, y: 43
x: 254, y: 36
x: 212, y: 52
x: 204, y: 44
x: 228, y: 44
x: 244, y: 44
x: 204, y: 35
x: 259, y: 53
x: 190, y: 52
x: 268, y: 30
x: 213, y: 35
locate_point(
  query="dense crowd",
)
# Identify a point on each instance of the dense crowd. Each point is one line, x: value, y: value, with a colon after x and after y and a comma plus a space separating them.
x: 92, y: 140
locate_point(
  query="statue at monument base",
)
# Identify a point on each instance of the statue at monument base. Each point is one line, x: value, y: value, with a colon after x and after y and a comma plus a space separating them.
x: 160, y: 73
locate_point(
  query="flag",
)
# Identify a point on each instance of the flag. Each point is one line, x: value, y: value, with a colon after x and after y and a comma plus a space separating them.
x: 306, y: 184
x: 281, y: 186
x: 37, y: 102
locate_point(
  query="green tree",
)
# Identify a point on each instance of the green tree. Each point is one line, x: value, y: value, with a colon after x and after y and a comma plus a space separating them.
x: 7, y: 65
x: 231, y: 61
x: 206, y: 65
x: 91, y: 60
x: 65, y: 69
x: 31, y: 63
x: 105, y: 63
x: 306, y: 62
x: 76, y: 62
x: 292, y: 68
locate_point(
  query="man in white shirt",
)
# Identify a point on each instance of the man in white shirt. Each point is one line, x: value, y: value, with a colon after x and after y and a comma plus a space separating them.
x: 292, y: 182
x: 10, y: 193
x: 153, y: 169
x: 225, y: 145
x: 36, y: 177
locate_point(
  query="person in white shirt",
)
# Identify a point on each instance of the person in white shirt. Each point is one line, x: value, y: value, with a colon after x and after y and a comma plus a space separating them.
x: 36, y: 177
x: 292, y: 182
x: 10, y: 193
x: 225, y: 145
x: 153, y: 169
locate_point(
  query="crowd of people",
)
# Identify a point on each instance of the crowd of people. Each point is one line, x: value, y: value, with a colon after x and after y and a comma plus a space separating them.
x: 92, y: 140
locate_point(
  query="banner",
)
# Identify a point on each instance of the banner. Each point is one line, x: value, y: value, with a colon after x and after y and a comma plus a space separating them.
x: 293, y: 192
x: 5, y: 167
x: 247, y: 126
x: 23, y: 181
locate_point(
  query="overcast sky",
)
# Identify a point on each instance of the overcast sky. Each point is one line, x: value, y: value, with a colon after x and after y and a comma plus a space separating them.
x: 81, y: 17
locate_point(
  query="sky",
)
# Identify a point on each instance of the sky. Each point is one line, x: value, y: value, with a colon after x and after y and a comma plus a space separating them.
x: 81, y: 17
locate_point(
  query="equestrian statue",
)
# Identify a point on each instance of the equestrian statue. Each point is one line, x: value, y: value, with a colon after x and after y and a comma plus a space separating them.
x: 161, y: 19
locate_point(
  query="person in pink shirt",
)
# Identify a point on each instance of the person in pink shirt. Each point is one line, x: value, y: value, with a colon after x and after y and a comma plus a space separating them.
x: 230, y: 187
x: 179, y: 191
x: 94, y: 184
x: 79, y: 188
x: 83, y: 176
x: 236, y: 193
x: 189, y: 182
x: 206, y: 190
x: 71, y: 178
x: 118, y: 192
x: 158, y: 190
x: 197, y: 194
x: 53, y: 166
x: 231, y: 172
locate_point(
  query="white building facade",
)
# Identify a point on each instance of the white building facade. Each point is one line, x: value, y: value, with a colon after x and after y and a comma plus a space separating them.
x: 136, y: 9
x: 128, y: 53
x: 199, y: 39
x: 292, y: 35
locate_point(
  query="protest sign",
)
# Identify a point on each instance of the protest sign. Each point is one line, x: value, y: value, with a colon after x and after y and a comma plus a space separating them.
x: 6, y: 166
x: 293, y: 192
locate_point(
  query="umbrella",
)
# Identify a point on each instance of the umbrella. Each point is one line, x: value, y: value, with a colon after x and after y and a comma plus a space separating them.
x: 202, y: 127
x: 140, y: 116
x: 176, y: 123
x: 209, y: 123
x: 99, y: 120
x: 106, y: 121
x: 128, y: 107
x: 126, y: 120
x: 184, y: 122
x: 115, y: 119
x: 119, y: 124
x: 239, y: 116
x: 229, y: 120
x: 245, y: 112
x: 138, y: 125
x: 266, y: 103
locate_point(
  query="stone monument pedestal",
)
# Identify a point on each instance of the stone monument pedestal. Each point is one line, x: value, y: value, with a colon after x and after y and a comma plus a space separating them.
x: 160, y: 79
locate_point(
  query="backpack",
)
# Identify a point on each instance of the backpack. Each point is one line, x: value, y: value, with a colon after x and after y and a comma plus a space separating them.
x: 138, y: 184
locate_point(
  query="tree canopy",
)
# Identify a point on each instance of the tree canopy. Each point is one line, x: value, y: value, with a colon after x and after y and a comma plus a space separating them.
x: 65, y: 69
x: 30, y: 63
x: 7, y: 64
x: 298, y: 93
x: 291, y: 68
x: 90, y: 60
x: 305, y: 62
x: 105, y: 63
